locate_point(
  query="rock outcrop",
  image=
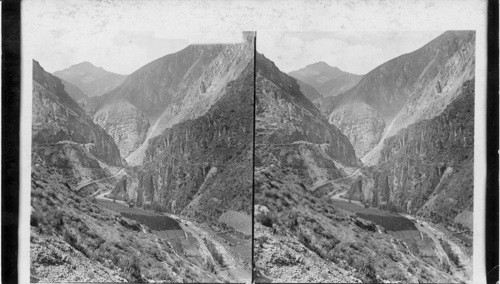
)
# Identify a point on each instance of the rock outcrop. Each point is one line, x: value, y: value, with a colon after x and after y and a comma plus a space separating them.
x: 169, y: 90
x: 328, y: 81
x: 125, y: 123
x: 72, y: 239
x: 201, y: 167
x: 73, y: 91
x: 73, y: 160
x: 361, y: 123
x: 403, y: 91
x: 427, y: 168
x: 92, y: 80
x: 284, y: 116
x: 57, y: 117
x: 309, y: 91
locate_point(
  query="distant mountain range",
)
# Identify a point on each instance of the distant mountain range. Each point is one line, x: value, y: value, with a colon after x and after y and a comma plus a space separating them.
x: 327, y: 80
x: 91, y: 80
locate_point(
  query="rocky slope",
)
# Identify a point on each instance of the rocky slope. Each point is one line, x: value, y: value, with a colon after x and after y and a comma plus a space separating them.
x: 73, y: 239
x: 201, y: 167
x: 125, y: 123
x: 427, y: 168
x: 92, y: 80
x: 300, y: 237
x: 73, y: 91
x: 167, y: 91
x: 73, y: 160
x: 309, y: 91
x: 57, y: 117
x: 284, y: 115
x: 328, y: 81
x: 302, y: 232
x: 404, y: 90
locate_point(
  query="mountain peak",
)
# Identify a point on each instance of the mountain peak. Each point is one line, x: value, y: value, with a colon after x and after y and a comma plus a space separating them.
x: 318, y: 68
x: 327, y: 80
x: 321, y: 64
x: 85, y: 65
x: 90, y: 79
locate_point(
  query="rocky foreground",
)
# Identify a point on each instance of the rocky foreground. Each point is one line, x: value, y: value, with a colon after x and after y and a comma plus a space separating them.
x: 74, y: 239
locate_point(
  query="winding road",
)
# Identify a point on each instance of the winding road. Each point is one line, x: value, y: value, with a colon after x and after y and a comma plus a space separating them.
x: 318, y: 185
x: 82, y: 185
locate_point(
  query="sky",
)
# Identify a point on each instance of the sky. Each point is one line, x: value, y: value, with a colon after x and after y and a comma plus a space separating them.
x: 122, y: 36
x: 356, y: 52
x: 119, y: 36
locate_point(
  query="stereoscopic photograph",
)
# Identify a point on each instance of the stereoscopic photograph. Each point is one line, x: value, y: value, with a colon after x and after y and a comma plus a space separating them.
x: 364, y: 157
x: 252, y: 141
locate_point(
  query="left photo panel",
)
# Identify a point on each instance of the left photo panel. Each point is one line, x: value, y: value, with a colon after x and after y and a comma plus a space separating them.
x: 141, y: 145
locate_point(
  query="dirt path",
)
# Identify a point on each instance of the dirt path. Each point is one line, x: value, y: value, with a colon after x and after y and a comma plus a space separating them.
x: 464, y: 273
x: 316, y: 186
x: 205, y: 253
x: 232, y: 272
x: 102, y: 196
x: 337, y: 197
x: 80, y: 186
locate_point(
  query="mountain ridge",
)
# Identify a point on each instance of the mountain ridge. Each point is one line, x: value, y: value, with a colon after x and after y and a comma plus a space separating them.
x: 57, y: 117
x: 167, y: 91
x: 92, y: 80
x: 403, y: 90
x: 327, y: 80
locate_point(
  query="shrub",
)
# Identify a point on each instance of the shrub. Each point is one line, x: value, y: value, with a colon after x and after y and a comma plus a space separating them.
x: 364, y: 266
x: 93, y: 199
x: 134, y: 269
x: 34, y: 219
x: 266, y: 219
x: 215, y: 253
x: 451, y: 254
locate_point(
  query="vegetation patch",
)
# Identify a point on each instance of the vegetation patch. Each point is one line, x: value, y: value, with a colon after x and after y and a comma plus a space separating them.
x: 215, y: 253
x: 158, y: 223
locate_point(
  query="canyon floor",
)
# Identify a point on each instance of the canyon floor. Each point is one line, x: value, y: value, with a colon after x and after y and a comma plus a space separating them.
x: 228, y: 253
x: 303, y: 238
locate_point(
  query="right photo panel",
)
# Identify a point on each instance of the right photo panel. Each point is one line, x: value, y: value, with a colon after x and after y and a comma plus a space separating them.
x: 364, y: 157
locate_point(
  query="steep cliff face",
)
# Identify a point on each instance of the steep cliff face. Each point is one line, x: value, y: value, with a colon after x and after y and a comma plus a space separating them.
x: 73, y: 91
x: 57, y: 117
x: 361, y: 123
x: 156, y: 85
x: 73, y: 160
x: 303, y: 232
x: 402, y: 91
x: 328, y: 81
x: 284, y: 115
x: 309, y: 91
x: 427, y: 168
x: 131, y: 129
x: 201, y: 167
x: 92, y: 80
x: 167, y: 91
